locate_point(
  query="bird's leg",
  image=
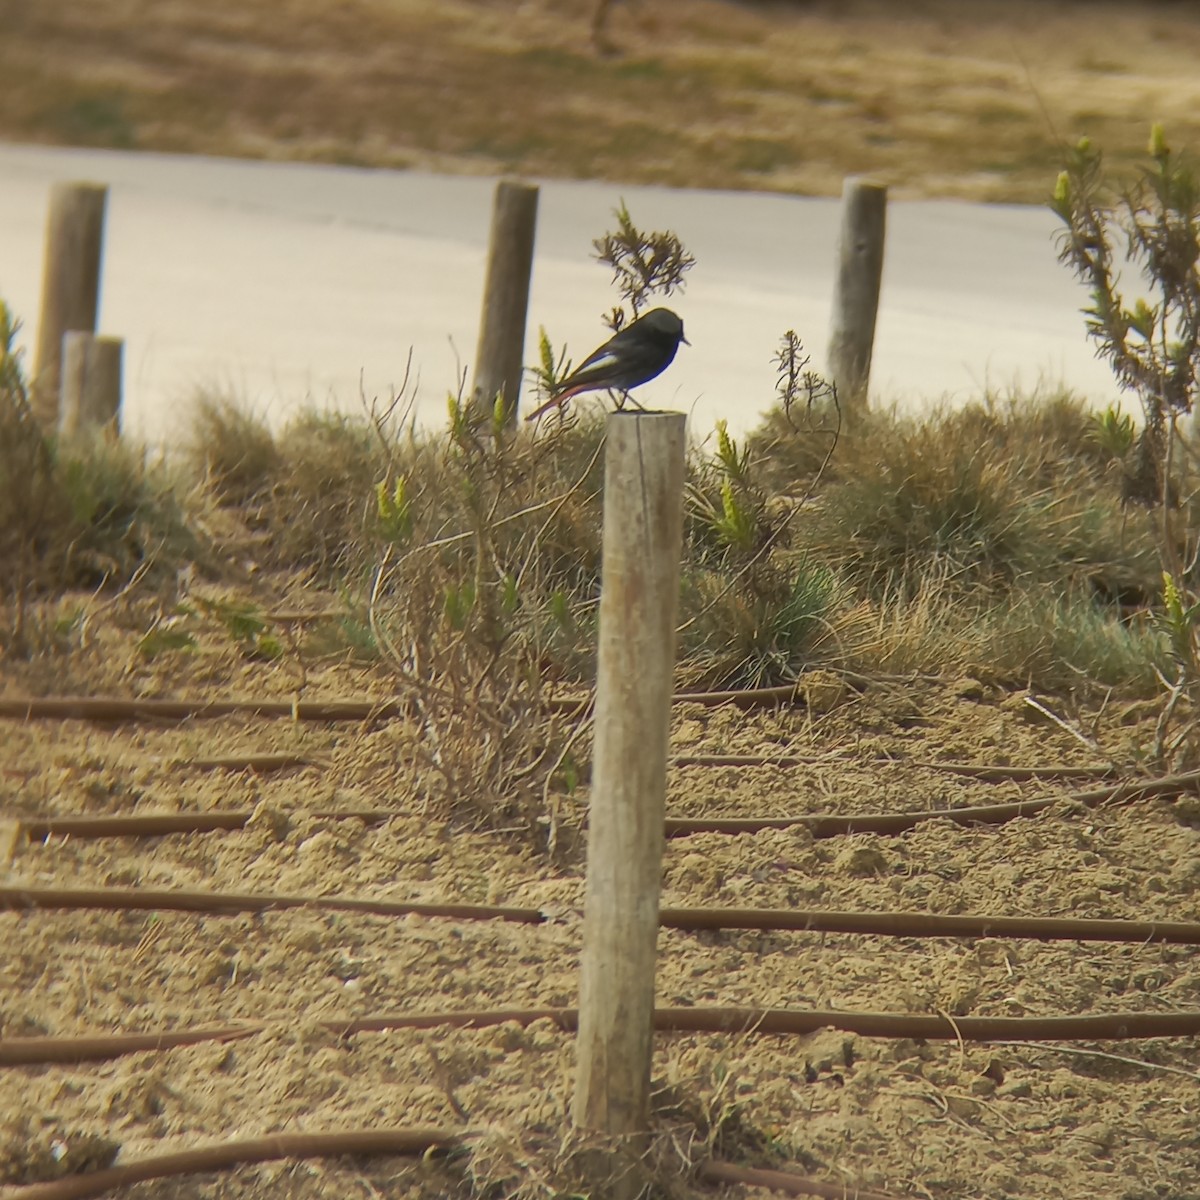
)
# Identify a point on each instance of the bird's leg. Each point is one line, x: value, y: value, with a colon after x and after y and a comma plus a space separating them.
x: 623, y: 398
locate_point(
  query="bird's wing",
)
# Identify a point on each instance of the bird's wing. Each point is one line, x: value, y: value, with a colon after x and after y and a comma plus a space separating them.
x: 592, y: 372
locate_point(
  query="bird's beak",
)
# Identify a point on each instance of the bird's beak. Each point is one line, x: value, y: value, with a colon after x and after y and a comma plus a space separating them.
x: 684, y: 340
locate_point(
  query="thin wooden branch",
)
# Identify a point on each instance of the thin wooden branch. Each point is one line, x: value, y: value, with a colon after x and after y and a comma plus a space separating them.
x: 820, y: 825
x: 825, y: 825
x: 784, y: 1181
x: 161, y: 824
x: 223, y: 1156
x: 117, y: 708
x: 17, y: 898
x: 231, y: 903
x: 33, y: 1051
x: 988, y: 772
x: 39, y: 1051
x: 259, y: 763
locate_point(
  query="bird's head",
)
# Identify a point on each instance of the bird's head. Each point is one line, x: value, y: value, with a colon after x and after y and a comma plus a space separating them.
x: 664, y: 322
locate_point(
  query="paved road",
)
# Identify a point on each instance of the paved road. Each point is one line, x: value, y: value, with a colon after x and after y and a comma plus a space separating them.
x: 284, y: 283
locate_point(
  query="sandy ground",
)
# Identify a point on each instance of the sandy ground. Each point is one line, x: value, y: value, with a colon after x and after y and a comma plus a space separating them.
x: 936, y: 1120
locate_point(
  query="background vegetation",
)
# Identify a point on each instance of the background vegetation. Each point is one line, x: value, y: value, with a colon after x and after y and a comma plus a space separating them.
x: 935, y: 98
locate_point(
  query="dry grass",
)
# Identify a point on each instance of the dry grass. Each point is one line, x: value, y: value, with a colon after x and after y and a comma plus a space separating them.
x: 470, y: 562
x: 935, y: 98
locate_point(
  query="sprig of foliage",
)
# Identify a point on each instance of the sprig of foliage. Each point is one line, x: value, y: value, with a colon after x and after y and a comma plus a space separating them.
x: 550, y: 369
x: 643, y: 264
x: 1179, y: 620
x: 246, y: 625
x: 393, y: 511
x: 1152, y: 345
x: 1113, y: 431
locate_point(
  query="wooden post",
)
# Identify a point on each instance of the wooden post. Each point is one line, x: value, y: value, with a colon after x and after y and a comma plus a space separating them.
x: 70, y: 283
x: 91, y: 383
x: 499, y: 360
x: 643, y: 506
x: 856, y: 291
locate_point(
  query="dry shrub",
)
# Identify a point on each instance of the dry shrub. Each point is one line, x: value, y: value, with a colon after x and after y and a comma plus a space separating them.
x: 1024, y: 638
x: 87, y: 512
x: 231, y: 449
x: 978, y: 497
x: 309, y: 486
x: 488, y: 564
x: 989, y: 540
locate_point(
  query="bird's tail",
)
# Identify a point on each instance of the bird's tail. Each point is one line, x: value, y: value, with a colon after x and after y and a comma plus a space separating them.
x: 556, y: 401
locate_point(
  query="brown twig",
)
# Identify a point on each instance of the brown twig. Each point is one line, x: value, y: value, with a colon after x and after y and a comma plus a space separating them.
x: 825, y: 825
x: 230, y: 903
x: 820, y: 825
x: 988, y: 772
x: 162, y: 824
x: 758, y: 1021
x: 117, y: 708
x: 225, y: 1155
x: 250, y: 762
x: 784, y: 1181
x: 38, y: 1051
x: 886, y: 924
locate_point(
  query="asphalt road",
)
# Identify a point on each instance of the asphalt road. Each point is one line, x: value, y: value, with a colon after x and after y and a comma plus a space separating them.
x: 290, y: 283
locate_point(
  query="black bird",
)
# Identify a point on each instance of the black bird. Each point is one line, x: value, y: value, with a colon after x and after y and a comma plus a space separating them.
x: 628, y: 359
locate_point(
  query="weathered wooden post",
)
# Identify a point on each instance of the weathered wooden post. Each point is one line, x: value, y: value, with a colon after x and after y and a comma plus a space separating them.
x: 643, y: 506
x: 499, y: 359
x: 91, y: 383
x: 856, y: 291
x: 70, y: 283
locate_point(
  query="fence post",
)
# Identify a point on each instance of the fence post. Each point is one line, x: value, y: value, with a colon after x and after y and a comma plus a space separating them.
x: 70, y: 283
x: 643, y: 507
x: 91, y: 383
x: 856, y: 291
x: 499, y: 359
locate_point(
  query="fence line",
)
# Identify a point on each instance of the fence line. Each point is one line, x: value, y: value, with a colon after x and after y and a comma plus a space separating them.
x: 70, y: 283
x: 642, y: 539
x: 499, y: 359
x: 90, y: 391
x: 856, y: 292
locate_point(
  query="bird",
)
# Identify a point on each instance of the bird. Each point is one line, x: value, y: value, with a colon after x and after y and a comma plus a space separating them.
x: 635, y: 355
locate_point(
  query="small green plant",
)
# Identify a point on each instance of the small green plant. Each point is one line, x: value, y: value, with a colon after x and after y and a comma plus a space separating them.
x: 83, y: 512
x: 1152, y: 345
x: 796, y: 443
x: 1178, y: 620
x: 1114, y: 432
x: 550, y: 370
x: 27, y: 471
x: 246, y: 626
x: 393, y: 511
x: 736, y: 520
x: 166, y: 639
